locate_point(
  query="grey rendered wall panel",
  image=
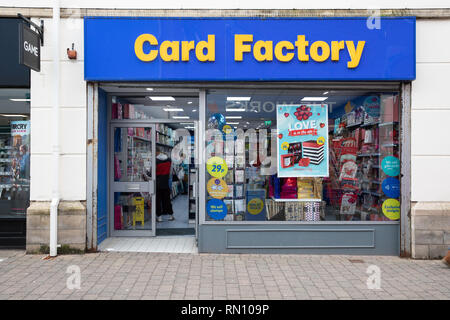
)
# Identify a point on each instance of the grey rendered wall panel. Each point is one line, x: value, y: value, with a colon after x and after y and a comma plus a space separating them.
x: 358, y: 239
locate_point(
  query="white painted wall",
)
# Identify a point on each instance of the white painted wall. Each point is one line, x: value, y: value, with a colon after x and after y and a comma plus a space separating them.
x: 232, y: 4
x: 430, y: 114
x: 72, y: 117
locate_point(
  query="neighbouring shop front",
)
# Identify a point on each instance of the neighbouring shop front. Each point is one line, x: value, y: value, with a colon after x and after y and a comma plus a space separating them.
x: 294, y: 129
x: 14, y: 138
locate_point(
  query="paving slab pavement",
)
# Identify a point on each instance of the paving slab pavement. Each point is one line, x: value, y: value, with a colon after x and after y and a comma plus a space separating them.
x: 152, y: 276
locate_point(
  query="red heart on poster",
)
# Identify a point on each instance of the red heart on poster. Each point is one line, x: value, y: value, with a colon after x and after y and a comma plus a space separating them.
x: 286, y: 114
x: 322, y: 125
x: 280, y: 136
x: 304, y: 162
x: 318, y: 114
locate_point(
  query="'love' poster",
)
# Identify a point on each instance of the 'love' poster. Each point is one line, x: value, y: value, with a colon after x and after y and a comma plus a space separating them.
x: 302, y: 140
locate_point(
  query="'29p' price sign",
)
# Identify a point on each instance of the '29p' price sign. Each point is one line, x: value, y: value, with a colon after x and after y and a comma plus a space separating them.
x: 217, y: 167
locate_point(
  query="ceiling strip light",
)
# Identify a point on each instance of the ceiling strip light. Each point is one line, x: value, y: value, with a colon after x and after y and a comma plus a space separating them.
x: 314, y: 98
x: 20, y: 100
x: 238, y: 98
x: 233, y: 117
x: 162, y: 98
x: 13, y: 115
x: 173, y: 109
x: 235, y: 110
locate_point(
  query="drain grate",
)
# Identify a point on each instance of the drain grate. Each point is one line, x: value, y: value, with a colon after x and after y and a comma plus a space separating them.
x: 356, y: 260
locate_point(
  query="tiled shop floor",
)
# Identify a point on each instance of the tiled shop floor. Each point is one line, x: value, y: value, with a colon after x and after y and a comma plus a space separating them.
x: 132, y: 275
x: 174, y: 244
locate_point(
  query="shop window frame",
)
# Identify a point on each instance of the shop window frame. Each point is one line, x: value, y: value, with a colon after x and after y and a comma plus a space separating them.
x: 391, y: 86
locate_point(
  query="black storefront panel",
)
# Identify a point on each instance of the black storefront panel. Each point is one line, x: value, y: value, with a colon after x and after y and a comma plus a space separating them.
x: 12, y: 75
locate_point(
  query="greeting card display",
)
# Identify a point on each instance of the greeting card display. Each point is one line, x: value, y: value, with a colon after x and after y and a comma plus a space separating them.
x: 302, y: 140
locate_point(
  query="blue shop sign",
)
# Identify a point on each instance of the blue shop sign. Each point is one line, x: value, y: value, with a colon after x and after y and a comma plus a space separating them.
x: 248, y: 49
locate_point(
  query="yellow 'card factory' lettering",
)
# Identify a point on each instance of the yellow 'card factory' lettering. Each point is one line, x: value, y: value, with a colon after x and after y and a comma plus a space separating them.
x: 263, y: 50
x: 285, y: 51
x: 170, y: 50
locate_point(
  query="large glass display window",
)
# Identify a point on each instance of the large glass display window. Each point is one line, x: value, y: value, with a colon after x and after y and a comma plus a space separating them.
x: 292, y: 155
x: 14, y: 153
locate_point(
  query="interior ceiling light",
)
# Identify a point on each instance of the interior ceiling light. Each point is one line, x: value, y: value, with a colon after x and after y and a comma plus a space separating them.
x: 162, y: 98
x: 173, y: 109
x: 233, y: 117
x: 190, y: 127
x: 149, y: 89
x: 238, y: 98
x: 326, y: 92
x: 194, y: 110
x: 180, y: 117
x: 186, y: 123
x: 20, y: 100
x: 235, y: 123
x: 189, y: 102
x: 235, y: 109
x: 314, y: 98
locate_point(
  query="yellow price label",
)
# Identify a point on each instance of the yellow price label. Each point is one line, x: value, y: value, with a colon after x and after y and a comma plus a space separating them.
x: 227, y: 129
x: 285, y: 146
x: 217, y: 167
x: 255, y: 206
x: 320, y: 140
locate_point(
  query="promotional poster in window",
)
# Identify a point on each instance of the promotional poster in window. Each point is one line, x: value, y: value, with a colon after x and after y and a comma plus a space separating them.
x: 20, y: 134
x: 302, y: 140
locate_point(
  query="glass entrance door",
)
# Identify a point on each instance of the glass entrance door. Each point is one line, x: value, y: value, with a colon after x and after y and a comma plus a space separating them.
x: 132, y: 180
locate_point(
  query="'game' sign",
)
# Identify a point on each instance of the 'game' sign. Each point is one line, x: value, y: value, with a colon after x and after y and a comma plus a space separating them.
x: 29, y: 48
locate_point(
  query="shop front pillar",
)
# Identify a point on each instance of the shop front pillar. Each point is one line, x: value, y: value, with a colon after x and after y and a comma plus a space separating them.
x: 71, y: 227
x: 430, y: 225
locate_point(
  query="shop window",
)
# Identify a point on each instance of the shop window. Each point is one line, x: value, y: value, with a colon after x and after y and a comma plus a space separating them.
x: 349, y: 172
x: 14, y: 153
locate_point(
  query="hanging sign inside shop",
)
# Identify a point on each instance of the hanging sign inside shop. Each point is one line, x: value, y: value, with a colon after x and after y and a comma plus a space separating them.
x: 246, y: 49
x: 372, y: 106
x: 302, y: 140
x: 217, y: 188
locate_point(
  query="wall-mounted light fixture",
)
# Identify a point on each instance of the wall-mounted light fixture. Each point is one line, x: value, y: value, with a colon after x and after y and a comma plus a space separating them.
x: 72, y: 54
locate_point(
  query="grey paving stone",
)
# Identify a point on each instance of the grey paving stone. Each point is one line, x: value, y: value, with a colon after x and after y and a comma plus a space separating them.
x: 150, y: 276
